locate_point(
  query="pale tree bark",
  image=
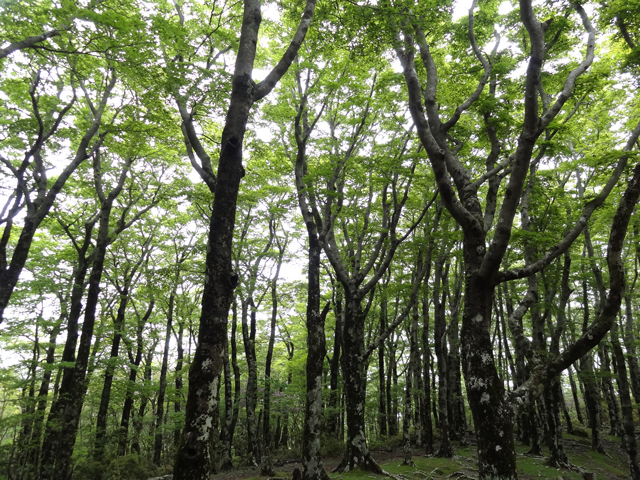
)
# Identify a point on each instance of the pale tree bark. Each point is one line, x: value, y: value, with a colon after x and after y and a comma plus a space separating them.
x: 193, y: 454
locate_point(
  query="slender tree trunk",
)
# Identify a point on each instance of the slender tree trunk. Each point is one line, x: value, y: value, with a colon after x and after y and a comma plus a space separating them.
x: 426, y: 399
x: 392, y: 415
x: 615, y: 427
x: 160, y: 407
x: 105, y: 398
x: 382, y: 393
x: 630, y: 346
x: 626, y: 406
x: 439, y: 332
x: 58, y: 466
x: 266, y: 466
x: 574, y: 393
x: 249, y: 335
x: 177, y: 406
x: 138, y: 421
x: 133, y: 373
x: 407, y: 414
x: 333, y: 423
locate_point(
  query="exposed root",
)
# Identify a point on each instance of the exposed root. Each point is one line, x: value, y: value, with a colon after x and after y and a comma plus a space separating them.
x: 461, y: 476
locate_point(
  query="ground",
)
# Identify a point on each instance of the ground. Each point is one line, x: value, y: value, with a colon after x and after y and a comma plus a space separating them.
x: 464, y: 465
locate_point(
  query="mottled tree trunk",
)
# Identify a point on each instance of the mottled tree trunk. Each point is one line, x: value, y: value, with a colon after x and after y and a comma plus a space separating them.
x: 353, y: 371
x: 193, y: 457
x: 316, y: 350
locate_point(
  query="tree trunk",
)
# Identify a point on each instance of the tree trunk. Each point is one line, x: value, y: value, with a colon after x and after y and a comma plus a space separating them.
x: 626, y: 406
x: 193, y: 456
x: 630, y: 346
x: 133, y: 373
x: 406, y: 414
x: 439, y: 332
x: 266, y: 466
x: 316, y: 350
x: 56, y: 464
x: 105, y: 398
x: 333, y: 416
x: 249, y: 336
x: 138, y: 421
x: 392, y: 405
x: 382, y: 393
x: 177, y: 406
x: 160, y: 406
x: 574, y: 393
x: 426, y: 399
x: 353, y: 371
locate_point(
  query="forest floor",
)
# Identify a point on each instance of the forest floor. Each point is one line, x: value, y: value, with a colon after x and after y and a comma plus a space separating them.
x: 463, y: 465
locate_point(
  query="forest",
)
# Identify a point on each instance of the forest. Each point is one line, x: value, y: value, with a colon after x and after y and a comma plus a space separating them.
x: 235, y: 233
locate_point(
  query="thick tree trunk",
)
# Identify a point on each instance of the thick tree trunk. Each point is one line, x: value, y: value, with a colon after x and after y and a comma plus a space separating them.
x: 558, y: 457
x: 316, y: 350
x: 485, y: 390
x: 193, y: 456
x: 353, y: 371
